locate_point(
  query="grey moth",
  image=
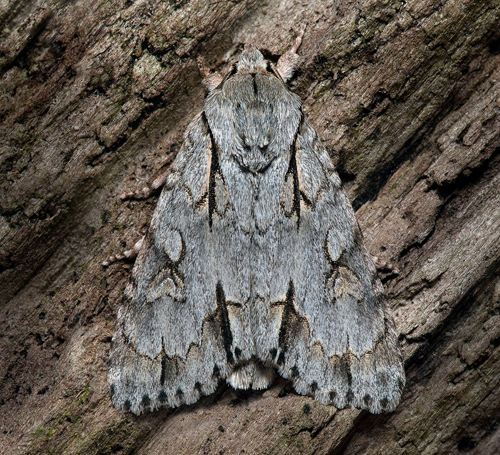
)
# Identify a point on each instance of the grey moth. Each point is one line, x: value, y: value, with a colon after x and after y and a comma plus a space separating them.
x: 254, y: 264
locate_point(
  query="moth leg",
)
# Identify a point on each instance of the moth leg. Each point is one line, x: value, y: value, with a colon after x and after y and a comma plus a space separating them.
x: 385, y: 267
x: 210, y: 80
x: 129, y: 254
x: 147, y: 191
x: 289, y: 60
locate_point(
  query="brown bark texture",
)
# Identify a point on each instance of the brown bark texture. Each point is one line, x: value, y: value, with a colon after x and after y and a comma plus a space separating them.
x: 95, y: 97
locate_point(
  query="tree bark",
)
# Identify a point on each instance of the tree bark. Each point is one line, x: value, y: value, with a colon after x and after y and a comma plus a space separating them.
x: 95, y: 98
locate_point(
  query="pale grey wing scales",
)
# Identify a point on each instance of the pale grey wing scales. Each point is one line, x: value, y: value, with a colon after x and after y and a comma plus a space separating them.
x: 253, y: 259
x: 335, y: 342
x: 173, y: 340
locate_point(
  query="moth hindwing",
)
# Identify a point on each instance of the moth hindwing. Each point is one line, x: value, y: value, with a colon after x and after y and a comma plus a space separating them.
x: 253, y: 264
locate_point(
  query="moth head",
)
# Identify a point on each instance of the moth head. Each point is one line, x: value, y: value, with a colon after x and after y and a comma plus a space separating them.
x: 251, y: 60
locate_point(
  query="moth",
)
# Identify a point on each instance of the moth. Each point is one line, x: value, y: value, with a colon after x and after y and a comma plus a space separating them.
x: 254, y: 264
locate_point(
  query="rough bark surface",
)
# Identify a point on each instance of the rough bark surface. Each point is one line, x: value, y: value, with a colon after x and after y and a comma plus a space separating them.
x: 94, y: 100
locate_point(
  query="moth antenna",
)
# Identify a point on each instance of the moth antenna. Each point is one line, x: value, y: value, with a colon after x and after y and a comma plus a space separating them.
x: 298, y: 40
x: 289, y: 61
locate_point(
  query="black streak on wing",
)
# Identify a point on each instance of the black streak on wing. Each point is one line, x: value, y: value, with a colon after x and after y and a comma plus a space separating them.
x: 347, y: 370
x: 292, y: 323
x: 254, y: 84
x: 292, y: 169
x: 214, y: 169
x: 220, y: 318
x: 163, y: 369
